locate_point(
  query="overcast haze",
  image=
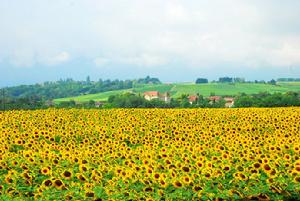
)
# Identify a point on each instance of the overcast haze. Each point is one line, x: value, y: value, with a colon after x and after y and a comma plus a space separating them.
x: 174, y: 40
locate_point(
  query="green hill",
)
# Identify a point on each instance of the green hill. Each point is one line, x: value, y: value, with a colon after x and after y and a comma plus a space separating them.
x: 96, y: 97
x: 189, y: 88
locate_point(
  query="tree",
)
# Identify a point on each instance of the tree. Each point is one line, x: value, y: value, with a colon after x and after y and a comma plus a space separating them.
x: 272, y: 82
x: 239, y: 80
x: 148, y: 80
x: 202, y: 102
x: 88, y: 80
x: 184, y: 100
x: 225, y: 79
x: 288, y: 79
x: 201, y: 80
x: 218, y: 104
x: 244, y: 101
x: 91, y: 103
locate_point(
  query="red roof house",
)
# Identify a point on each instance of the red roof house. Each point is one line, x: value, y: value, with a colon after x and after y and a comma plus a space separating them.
x: 193, y: 99
x: 214, y: 98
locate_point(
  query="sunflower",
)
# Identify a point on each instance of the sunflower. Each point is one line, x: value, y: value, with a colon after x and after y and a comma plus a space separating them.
x: 148, y: 189
x: 199, y: 164
x: 226, y: 168
x: 263, y: 197
x: 28, y: 178
x: 47, y: 183
x: 89, y: 194
x: 9, y: 179
x: 67, y: 174
x: 156, y: 176
x: 185, y: 169
x: 55, y: 161
x: 207, y: 175
x: 46, y: 171
x: 81, y: 177
x: 83, y: 168
x: 160, y: 192
x: 163, y: 183
x: 267, y: 168
x: 177, y: 184
x: 297, y: 163
x: 256, y: 165
x: 297, y: 179
x: 186, y: 180
x: 242, y: 176
x: 297, y: 169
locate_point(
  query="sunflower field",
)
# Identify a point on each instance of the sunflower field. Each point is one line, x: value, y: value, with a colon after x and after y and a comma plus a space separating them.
x: 150, y: 154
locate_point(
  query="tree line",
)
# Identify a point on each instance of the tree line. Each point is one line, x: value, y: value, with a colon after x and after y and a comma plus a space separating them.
x: 266, y: 99
x: 263, y: 99
x: 131, y: 100
x: 288, y: 80
x: 70, y: 87
x: 243, y: 80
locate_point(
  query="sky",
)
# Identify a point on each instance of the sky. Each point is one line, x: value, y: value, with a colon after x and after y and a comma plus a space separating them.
x: 174, y: 40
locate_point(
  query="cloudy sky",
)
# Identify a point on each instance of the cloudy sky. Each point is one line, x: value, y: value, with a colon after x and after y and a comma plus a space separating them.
x: 175, y: 40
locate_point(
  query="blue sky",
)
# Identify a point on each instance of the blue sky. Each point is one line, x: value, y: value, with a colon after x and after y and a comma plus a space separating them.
x: 175, y: 40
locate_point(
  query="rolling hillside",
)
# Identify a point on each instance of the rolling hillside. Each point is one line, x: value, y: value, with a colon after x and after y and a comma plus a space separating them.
x: 189, y: 88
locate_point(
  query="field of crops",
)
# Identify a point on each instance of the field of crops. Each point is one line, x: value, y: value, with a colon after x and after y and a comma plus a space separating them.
x: 150, y: 154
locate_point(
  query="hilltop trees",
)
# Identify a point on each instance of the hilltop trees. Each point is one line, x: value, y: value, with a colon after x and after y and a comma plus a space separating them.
x: 222, y: 80
x: 272, y: 82
x: 231, y: 80
x: 67, y: 88
x: 225, y: 79
x: 288, y: 80
x: 239, y: 80
x: 201, y: 80
x: 88, y: 80
x: 148, y: 80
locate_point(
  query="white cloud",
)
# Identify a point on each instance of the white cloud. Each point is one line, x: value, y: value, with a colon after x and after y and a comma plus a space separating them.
x: 59, y: 58
x: 100, y: 61
x: 145, y: 60
x: 151, y: 33
x: 287, y: 55
x: 22, y: 57
x: 176, y: 13
x: 29, y: 58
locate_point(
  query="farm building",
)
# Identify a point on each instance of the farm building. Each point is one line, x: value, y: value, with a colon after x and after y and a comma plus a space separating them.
x: 193, y: 99
x: 229, y: 101
x: 214, y: 98
x: 150, y: 95
x: 99, y: 103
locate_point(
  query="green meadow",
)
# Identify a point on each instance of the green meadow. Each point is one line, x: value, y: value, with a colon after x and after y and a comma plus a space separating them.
x: 177, y: 89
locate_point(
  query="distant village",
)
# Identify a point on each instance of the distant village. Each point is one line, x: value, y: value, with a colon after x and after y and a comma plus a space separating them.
x: 166, y: 97
x: 151, y: 95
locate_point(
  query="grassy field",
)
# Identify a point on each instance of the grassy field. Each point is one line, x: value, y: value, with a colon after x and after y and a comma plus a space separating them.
x: 189, y: 88
x: 96, y: 97
x: 232, y: 89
